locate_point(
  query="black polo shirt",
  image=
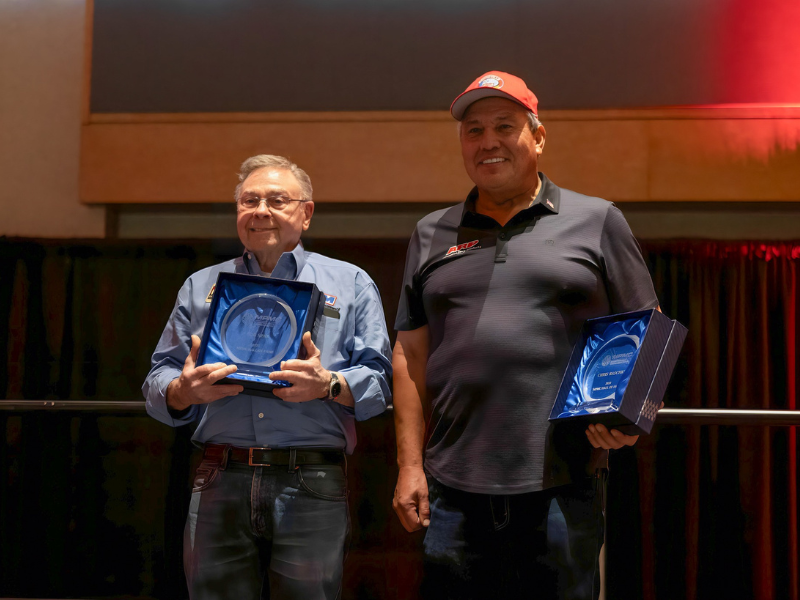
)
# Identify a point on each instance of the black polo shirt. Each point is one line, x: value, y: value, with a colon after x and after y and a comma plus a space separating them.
x: 504, y: 306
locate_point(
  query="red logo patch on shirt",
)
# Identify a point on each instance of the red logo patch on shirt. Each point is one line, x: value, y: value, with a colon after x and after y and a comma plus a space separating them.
x: 211, y: 293
x: 461, y: 248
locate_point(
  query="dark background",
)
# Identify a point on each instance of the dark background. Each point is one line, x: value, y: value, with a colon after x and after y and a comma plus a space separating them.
x: 336, y: 55
x: 92, y: 504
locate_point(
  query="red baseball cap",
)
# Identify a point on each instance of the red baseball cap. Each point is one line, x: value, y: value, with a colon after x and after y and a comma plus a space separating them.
x: 494, y: 83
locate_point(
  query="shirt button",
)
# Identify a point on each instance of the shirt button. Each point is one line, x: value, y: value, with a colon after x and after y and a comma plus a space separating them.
x: 503, y: 236
x: 260, y: 415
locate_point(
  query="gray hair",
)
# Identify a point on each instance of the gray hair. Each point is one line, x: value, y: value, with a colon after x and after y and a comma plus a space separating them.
x: 533, y: 122
x: 272, y: 161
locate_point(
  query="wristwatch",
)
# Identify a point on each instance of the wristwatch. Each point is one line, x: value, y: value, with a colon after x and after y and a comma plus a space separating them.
x: 334, y: 387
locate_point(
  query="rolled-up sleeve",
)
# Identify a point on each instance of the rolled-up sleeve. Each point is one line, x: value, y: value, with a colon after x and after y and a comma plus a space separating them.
x: 167, y: 362
x: 370, y: 370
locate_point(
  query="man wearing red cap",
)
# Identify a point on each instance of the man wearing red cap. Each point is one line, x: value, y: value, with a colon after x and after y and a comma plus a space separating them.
x: 495, y: 292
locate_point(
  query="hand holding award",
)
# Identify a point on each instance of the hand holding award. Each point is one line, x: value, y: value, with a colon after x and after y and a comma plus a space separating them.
x: 196, y: 385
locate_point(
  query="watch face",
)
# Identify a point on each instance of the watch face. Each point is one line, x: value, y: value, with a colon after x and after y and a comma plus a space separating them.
x: 336, y: 387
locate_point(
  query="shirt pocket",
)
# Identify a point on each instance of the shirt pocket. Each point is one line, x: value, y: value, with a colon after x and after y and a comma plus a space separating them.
x: 331, y: 323
x: 333, y: 340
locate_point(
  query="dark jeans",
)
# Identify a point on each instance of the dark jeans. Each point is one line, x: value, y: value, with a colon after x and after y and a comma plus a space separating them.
x: 251, y: 525
x: 541, y: 545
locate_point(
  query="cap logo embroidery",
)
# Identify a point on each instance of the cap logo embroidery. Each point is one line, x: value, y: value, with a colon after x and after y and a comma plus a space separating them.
x: 461, y: 248
x: 492, y: 81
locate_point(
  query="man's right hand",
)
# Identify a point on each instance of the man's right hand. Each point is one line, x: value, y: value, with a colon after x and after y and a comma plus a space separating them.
x: 196, y: 384
x: 411, y: 498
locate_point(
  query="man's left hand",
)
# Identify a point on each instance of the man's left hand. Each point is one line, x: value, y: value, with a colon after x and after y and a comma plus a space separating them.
x: 308, y: 377
x: 601, y: 437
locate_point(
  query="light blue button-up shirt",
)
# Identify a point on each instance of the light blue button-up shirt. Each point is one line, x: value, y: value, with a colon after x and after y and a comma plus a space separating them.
x: 356, y: 344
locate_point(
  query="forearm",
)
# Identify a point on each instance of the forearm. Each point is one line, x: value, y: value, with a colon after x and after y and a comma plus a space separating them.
x: 409, y: 365
x: 409, y: 422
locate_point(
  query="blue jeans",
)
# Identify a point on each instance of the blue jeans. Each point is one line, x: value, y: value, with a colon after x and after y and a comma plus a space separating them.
x: 541, y: 545
x: 264, y: 532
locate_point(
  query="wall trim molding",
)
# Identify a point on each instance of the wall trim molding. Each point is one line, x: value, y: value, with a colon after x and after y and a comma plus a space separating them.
x: 726, y: 153
x: 719, y: 111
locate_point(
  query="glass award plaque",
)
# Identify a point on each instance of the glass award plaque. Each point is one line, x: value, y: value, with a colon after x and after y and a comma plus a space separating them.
x: 619, y: 370
x: 605, y: 365
x: 255, y: 323
x: 258, y: 330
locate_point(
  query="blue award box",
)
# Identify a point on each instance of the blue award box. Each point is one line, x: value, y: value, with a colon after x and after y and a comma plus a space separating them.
x: 619, y: 370
x: 255, y: 323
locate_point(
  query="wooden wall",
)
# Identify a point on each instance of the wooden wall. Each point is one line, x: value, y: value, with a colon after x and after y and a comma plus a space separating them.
x: 734, y: 153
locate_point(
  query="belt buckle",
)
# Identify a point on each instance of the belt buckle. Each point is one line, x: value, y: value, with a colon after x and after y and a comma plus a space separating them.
x: 254, y: 464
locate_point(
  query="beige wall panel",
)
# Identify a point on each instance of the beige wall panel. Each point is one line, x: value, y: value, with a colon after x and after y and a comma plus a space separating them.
x: 41, y: 56
x: 197, y: 162
x: 637, y: 155
x: 608, y: 159
x: 725, y: 160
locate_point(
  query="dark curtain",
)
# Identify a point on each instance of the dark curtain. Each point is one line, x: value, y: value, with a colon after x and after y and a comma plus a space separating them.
x: 91, y: 504
x: 79, y: 321
x: 708, y: 511
x: 694, y: 511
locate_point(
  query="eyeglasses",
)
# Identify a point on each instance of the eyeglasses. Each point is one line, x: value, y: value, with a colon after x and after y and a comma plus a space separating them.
x: 277, y: 203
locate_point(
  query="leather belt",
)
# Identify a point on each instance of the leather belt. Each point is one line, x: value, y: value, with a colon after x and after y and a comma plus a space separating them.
x: 268, y: 457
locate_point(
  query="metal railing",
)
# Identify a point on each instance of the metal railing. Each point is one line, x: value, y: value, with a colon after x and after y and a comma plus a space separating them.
x: 666, y: 416
x: 727, y: 416
x: 73, y: 405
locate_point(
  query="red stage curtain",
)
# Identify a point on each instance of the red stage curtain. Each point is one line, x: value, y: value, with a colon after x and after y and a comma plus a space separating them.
x: 718, y: 505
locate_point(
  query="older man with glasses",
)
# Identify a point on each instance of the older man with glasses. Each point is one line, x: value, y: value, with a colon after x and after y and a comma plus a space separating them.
x: 276, y: 530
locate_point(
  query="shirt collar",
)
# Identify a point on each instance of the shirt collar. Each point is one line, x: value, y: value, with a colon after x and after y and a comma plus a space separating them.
x: 547, y: 200
x: 289, y: 265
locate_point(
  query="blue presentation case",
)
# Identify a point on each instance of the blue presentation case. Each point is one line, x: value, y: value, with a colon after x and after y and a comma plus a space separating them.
x: 618, y: 371
x: 307, y: 303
